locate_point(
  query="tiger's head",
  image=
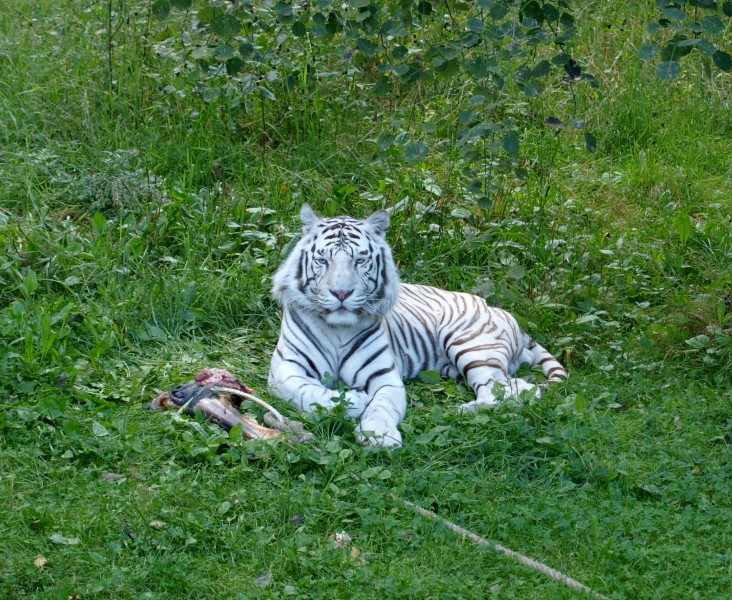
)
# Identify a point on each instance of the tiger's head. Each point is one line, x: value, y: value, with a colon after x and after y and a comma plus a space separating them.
x: 341, y: 270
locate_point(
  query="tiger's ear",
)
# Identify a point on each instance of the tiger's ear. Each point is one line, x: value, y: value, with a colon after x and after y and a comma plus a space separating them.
x: 380, y: 222
x: 308, y: 217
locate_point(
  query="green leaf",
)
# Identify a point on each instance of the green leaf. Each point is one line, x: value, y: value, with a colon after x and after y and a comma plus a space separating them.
x: 550, y: 12
x: 206, y: 14
x: 30, y: 282
x: 475, y: 25
x: 224, y: 52
x: 651, y: 489
x: 266, y: 93
x: 415, y: 152
x: 283, y: 9
x: 160, y: 9
x: 448, y: 68
x: 531, y: 10
x: 485, y: 203
x: 478, y: 67
x: 712, y: 25
x: 673, y: 14
x: 98, y: 429
x: 675, y: 50
x: 181, y: 4
x: 236, y: 433
x: 57, y: 538
x: 648, y: 51
x: 498, y: 11
x: 683, y: 226
x: 299, y: 29
x: 210, y: 94
x: 688, y: 42
x: 424, y: 8
x: 371, y: 471
x: 383, y: 86
x: 542, y: 69
x: 511, y: 143
x: 394, y: 28
x: 699, y: 342
x: 403, y: 138
x: 99, y: 221
x: 426, y: 437
x: 430, y: 377
x: 516, y: 272
x: 226, y: 25
x: 723, y: 60
x: 367, y: 47
x: 399, y: 53
x: 668, y: 70
x: 590, y: 142
x: 727, y: 9
x: 705, y: 47
x: 385, y: 142
x: 235, y: 65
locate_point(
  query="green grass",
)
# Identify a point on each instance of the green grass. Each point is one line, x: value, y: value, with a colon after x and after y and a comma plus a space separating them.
x: 135, y: 251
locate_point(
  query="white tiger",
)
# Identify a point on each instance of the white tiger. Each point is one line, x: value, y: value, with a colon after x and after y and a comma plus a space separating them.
x: 346, y: 316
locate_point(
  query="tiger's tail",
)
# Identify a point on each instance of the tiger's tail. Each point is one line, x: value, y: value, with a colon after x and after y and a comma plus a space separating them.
x: 553, y: 369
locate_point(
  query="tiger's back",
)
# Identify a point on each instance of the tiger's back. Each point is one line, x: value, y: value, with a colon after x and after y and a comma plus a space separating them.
x: 459, y: 335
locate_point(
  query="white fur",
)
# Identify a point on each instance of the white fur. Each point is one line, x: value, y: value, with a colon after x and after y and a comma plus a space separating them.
x: 346, y: 316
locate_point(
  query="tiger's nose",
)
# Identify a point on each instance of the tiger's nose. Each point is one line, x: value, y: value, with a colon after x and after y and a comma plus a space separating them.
x: 341, y: 294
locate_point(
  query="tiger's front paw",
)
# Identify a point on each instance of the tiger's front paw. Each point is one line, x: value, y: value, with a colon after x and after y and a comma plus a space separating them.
x: 381, y: 436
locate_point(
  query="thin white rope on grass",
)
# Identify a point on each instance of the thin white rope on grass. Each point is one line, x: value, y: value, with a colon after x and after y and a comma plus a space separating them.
x: 480, y: 541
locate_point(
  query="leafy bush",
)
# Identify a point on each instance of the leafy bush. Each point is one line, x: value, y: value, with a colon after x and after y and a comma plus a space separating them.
x: 684, y: 27
x: 265, y: 58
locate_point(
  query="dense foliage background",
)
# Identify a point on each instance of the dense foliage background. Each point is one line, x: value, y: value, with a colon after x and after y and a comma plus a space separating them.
x: 570, y: 161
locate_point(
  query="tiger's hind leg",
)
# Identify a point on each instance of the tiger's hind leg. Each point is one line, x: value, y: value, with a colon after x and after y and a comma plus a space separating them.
x: 492, y: 392
x: 489, y: 363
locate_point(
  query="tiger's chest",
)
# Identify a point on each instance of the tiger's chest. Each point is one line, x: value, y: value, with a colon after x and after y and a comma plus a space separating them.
x: 337, y: 356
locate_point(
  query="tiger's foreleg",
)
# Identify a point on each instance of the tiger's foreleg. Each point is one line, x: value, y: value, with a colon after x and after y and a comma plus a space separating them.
x: 290, y: 382
x: 385, y: 411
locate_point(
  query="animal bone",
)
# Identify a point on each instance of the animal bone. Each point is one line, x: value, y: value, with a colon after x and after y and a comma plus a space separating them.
x: 217, y: 394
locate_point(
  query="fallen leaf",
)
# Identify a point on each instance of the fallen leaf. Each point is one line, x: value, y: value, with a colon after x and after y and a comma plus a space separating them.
x: 40, y: 561
x: 57, y: 538
x: 98, y: 429
x: 112, y: 476
x: 264, y: 580
x: 157, y: 524
x: 358, y: 559
x: 340, y: 539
